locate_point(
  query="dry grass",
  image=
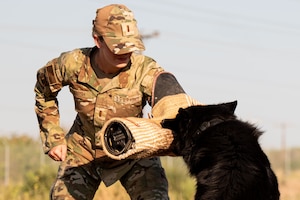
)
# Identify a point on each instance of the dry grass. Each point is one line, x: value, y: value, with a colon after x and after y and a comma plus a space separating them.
x: 289, y: 185
x: 181, y: 186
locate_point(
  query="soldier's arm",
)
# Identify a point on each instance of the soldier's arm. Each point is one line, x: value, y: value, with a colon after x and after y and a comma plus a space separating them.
x: 48, y: 84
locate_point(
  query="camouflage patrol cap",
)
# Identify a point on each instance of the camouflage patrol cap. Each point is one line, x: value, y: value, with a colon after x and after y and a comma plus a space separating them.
x: 116, y: 24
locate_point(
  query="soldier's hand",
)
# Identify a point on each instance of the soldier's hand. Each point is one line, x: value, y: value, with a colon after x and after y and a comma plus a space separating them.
x: 58, y: 153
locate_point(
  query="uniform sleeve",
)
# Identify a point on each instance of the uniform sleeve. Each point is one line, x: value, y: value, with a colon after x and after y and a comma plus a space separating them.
x: 49, y: 82
x: 152, y: 69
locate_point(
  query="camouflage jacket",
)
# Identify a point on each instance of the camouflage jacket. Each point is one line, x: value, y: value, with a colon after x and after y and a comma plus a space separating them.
x: 124, y: 96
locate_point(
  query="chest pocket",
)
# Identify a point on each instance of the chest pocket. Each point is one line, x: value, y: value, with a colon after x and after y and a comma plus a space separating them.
x: 84, y: 102
x: 118, y: 103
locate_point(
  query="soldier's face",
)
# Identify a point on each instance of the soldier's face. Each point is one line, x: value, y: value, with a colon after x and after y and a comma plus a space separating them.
x: 114, y: 60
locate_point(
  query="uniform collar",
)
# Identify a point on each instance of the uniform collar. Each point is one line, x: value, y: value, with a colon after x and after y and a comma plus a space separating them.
x: 87, y: 75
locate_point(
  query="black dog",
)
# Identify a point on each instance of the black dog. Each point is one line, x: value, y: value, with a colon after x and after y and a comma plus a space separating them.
x: 223, y: 154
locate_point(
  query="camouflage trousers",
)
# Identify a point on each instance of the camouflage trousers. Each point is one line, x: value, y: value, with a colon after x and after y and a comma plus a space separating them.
x: 80, y: 175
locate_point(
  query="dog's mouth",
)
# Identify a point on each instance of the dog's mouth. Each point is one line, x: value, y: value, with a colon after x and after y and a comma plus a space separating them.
x: 167, y: 123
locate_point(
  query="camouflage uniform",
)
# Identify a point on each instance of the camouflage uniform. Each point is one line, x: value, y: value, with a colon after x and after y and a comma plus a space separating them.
x: 96, y: 101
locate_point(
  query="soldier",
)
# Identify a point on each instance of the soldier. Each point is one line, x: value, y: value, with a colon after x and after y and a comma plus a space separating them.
x: 107, y: 80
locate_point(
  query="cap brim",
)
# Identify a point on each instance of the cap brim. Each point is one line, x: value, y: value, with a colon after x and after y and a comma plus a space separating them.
x: 122, y: 45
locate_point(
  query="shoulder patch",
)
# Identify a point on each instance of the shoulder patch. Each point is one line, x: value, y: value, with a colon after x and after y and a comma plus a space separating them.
x: 54, y: 78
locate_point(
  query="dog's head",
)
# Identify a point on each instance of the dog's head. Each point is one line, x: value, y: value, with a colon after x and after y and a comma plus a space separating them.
x: 190, y: 119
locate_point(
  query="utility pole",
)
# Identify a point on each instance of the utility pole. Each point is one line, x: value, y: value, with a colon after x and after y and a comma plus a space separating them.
x: 285, y: 151
x: 7, y: 154
x: 6, y: 161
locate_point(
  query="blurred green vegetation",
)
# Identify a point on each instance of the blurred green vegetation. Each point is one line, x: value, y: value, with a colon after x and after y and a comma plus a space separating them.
x: 26, y: 173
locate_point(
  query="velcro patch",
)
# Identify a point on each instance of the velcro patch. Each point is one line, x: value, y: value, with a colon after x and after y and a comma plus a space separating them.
x: 51, y: 75
x: 128, y: 29
x: 54, y: 81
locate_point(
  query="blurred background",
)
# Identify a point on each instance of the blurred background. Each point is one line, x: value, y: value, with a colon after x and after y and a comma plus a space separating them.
x: 219, y: 51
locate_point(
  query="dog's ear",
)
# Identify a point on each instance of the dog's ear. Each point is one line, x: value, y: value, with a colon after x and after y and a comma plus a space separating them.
x: 231, y: 106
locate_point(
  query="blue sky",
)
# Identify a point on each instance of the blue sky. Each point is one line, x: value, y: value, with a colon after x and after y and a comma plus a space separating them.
x: 219, y: 51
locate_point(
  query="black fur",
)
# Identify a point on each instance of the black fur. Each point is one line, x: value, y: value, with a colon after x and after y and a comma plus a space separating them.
x: 223, y: 154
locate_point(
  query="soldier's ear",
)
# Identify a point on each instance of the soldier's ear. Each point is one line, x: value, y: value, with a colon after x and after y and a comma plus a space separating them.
x: 97, y: 40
